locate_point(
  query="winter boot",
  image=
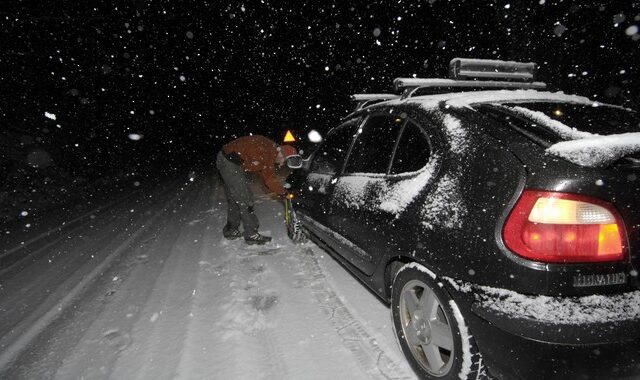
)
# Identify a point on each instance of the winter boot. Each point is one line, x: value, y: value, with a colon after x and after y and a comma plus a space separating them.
x: 257, y: 239
x: 231, y: 233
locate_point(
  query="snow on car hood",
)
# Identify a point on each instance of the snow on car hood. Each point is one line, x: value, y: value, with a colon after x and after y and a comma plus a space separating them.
x: 597, y: 150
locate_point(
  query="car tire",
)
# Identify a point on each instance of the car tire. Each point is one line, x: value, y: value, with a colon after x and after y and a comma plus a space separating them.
x: 295, y: 231
x: 430, y: 329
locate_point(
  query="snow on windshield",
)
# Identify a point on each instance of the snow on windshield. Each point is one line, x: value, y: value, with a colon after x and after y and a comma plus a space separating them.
x: 598, y: 150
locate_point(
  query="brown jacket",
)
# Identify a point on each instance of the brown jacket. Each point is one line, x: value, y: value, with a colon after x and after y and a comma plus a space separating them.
x: 258, y: 155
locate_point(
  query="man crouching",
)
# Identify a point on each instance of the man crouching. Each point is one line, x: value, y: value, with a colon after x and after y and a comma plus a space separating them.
x: 256, y: 154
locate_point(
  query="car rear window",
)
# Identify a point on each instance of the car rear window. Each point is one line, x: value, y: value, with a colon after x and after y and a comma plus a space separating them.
x: 568, y: 121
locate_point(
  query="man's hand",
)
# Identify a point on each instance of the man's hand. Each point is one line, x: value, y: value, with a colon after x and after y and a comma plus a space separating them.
x: 286, y: 196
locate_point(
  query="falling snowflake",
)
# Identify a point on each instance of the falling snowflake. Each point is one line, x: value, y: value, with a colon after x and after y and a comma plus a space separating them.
x: 314, y: 136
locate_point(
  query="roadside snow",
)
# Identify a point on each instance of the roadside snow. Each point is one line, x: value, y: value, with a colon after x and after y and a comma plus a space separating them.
x: 182, y: 302
x: 597, y: 151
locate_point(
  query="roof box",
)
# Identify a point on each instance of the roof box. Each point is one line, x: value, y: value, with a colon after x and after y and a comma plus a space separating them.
x: 468, y: 68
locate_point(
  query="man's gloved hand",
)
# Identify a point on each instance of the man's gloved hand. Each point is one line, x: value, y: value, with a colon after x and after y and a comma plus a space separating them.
x: 286, y: 196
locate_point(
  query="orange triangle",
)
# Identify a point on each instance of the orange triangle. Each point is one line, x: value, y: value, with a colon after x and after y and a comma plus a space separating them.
x: 289, y: 137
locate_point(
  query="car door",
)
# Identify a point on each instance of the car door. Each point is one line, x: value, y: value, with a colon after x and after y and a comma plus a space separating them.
x: 354, y: 211
x: 326, y: 164
x: 389, y: 166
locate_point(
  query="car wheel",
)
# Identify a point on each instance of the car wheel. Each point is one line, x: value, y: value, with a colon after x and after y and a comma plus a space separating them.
x: 295, y: 231
x: 428, y: 326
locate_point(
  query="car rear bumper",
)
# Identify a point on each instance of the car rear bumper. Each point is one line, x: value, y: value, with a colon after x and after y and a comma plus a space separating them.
x: 512, y: 356
x: 529, y: 337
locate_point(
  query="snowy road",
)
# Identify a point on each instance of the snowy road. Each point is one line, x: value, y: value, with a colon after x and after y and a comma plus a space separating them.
x: 147, y: 288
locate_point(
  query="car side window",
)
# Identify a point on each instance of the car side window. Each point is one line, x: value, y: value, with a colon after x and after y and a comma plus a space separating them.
x: 374, y: 144
x: 413, y: 150
x: 330, y: 156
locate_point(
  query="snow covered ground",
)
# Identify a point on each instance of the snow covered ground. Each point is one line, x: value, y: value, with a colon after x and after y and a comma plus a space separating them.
x: 148, y: 288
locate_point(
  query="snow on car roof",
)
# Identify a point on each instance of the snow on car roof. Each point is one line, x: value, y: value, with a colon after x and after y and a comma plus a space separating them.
x: 467, y: 99
x: 598, y: 150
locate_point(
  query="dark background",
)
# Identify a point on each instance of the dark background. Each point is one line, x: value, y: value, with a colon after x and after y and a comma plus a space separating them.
x: 188, y: 76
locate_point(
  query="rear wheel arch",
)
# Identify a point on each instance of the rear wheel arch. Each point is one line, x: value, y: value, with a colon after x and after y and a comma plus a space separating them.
x: 443, y: 348
x: 391, y: 269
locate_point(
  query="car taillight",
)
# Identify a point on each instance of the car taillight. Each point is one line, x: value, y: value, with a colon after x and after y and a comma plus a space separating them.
x: 564, y: 228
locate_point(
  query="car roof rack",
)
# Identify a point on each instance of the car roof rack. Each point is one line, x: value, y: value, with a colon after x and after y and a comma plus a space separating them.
x: 465, y: 74
x: 409, y: 86
x: 469, y: 74
x: 368, y: 99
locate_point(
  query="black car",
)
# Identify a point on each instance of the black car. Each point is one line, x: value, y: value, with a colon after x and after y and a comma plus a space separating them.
x: 499, y: 220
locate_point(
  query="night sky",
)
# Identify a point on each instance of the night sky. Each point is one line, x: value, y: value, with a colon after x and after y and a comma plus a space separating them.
x: 186, y: 77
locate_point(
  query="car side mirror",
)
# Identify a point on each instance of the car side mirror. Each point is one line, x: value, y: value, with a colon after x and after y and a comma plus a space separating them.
x: 294, y: 162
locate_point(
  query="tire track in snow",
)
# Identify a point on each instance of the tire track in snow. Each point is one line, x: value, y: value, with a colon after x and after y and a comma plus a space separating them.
x: 163, y: 318
x: 19, y: 343
x: 113, y: 308
x: 355, y: 337
x: 232, y: 308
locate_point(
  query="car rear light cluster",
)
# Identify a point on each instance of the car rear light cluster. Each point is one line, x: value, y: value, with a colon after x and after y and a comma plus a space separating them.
x: 564, y: 228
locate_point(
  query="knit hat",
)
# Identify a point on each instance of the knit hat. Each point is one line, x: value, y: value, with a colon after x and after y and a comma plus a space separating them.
x: 288, y: 151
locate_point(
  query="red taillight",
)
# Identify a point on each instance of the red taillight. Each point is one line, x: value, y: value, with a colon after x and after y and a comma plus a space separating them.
x: 564, y: 228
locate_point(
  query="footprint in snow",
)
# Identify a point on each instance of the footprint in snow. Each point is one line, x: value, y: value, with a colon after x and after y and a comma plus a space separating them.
x: 116, y: 339
x: 263, y: 302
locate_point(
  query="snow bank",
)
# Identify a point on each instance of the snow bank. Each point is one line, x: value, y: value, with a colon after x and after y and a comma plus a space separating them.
x: 598, y: 150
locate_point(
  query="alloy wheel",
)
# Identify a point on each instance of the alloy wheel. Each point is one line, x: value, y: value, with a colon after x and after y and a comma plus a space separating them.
x: 426, y: 328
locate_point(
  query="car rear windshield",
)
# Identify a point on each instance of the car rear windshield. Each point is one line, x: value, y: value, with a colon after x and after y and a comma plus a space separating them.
x: 568, y: 121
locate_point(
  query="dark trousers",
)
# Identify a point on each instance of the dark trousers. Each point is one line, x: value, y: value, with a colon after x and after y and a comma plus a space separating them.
x: 239, y: 196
